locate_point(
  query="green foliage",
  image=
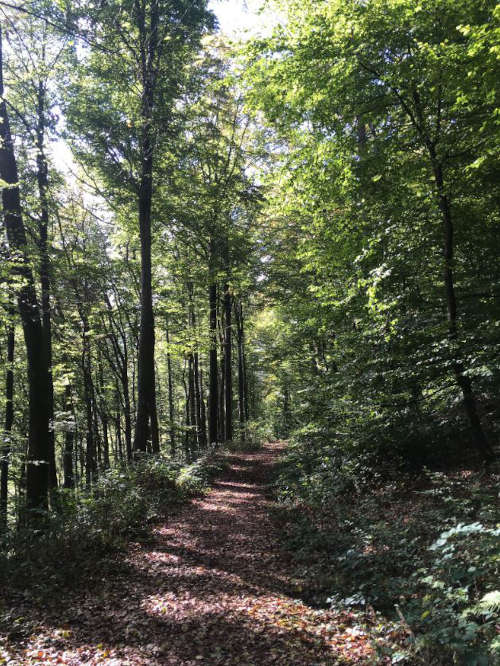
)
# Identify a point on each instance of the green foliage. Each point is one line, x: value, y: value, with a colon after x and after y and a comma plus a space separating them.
x: 364, y: 535
x: 90, y: 526
x: 458, y: 605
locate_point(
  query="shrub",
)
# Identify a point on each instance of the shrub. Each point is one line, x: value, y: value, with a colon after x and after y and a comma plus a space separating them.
x: 87, y: 527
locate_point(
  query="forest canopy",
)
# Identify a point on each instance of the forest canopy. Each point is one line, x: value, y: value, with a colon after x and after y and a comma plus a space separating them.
x: 209, y: 243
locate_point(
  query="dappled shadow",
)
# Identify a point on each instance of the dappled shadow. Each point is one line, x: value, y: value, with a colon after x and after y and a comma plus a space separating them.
x: 211, y: 588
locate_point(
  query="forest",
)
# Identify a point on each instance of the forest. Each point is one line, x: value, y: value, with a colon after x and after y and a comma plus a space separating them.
x: 249, y: 332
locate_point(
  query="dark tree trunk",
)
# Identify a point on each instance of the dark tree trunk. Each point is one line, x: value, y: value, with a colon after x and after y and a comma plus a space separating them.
x: 119, y: 444
x: 127, y: 411
x: 69, y: 478
x: 103, y: 412
x: 8, y: 421
x: 200, y: 424
x: 147, y: 420
x: 187, y: 412
x: 146, y: 399
x: 464, y: 382
x: 191, y: 404
x: 171, y: 411
x: 201, y: 435
x: 37, y: 476
x: 90, y: 450
x: 203, y: 412
x: 222, y: 377
x: 43, y: 230
x: 228, y: 369
x: 241, y: 369
x: 213, y: 397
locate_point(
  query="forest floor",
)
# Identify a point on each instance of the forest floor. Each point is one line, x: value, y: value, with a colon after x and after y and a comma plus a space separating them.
x: 211, y: 586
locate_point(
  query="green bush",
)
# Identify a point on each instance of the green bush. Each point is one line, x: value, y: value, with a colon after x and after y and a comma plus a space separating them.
x: 87, y: 527
x: 458, y: 601
x: 422, y: 548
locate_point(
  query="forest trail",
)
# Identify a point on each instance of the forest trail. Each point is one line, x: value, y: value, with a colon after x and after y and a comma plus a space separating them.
x: 212, y: 587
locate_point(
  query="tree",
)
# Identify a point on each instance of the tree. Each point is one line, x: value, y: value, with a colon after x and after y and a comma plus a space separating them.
x: 37, y: 477
x: 123, y: 107
x: 377, y: 128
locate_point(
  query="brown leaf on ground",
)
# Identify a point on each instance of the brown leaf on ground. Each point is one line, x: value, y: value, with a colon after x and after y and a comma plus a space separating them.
x: 211, y: 588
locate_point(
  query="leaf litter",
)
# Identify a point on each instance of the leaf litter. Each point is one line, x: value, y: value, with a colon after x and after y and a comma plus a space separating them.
x: 212, y: 586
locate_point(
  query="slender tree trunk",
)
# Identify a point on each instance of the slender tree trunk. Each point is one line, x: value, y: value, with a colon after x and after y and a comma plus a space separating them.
x: 9, y: 419
x: 201, y: 432
x: 69, y: 478
x: 147, y: 420
x: 102, y: 412
x: 90, y: 460
x: 246, y: 388
x: 146, y: 402
x: 191, y: 404
x: 43, y: 229
x: 187, y: 412
x: 213, y: 397
x: 200, y: 427
x: 222, y: 377
x: 228, y: 369
x: 127, y: 410
x: 203, y: 412
x: 37, y: 476
x: 464, y: 382
x: 171, y: 412
x: 241, y: 369
x: 119, y: 444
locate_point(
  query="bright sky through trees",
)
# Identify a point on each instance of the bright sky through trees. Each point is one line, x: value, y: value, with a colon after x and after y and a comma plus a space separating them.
x: 239, y: 16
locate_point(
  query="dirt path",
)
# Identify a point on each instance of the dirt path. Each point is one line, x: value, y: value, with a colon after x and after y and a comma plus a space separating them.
x: 214, y: 588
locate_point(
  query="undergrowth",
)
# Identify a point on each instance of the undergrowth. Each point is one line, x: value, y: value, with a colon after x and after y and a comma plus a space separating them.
x: 419, y: 548
x: 90, y: 526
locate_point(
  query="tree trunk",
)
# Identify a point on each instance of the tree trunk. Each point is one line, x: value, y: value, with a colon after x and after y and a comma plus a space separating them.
x: 171, y: 412
x: 201, y: 435
x: 127, y: 411
x: 69, y: 478
x: 241, y: 369
x: 37, y: 476
x: 191, y: 405
x: 222, y: 378
x: 118, y: 428
x: 203, y: 413
x: 464, y: 382
x: 9, y: 419
x: 213, y: 397
x: 90, y: 459
x: 228, y: 370
x: 147, y: 420
x: 43, y: 227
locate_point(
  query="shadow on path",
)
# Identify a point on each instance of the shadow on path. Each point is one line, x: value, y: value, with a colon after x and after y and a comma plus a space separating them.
x: 211, y: 588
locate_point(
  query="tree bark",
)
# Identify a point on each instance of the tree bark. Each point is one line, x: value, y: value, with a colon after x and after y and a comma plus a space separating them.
x: 191, y: 405
x: 147, y: 420
x: 43, y: 227
x: 69, y: 477
x: 37, y: 476
x: 228, y: 369
x: 171, y: 411
x: 86, y: 364
x: 201, y: 435
x: 203, y: 414
x: 464, y: 382
x: 213, y: 397
x: 241, y: 369
x: 8, y: 421
x: 222, y: 378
